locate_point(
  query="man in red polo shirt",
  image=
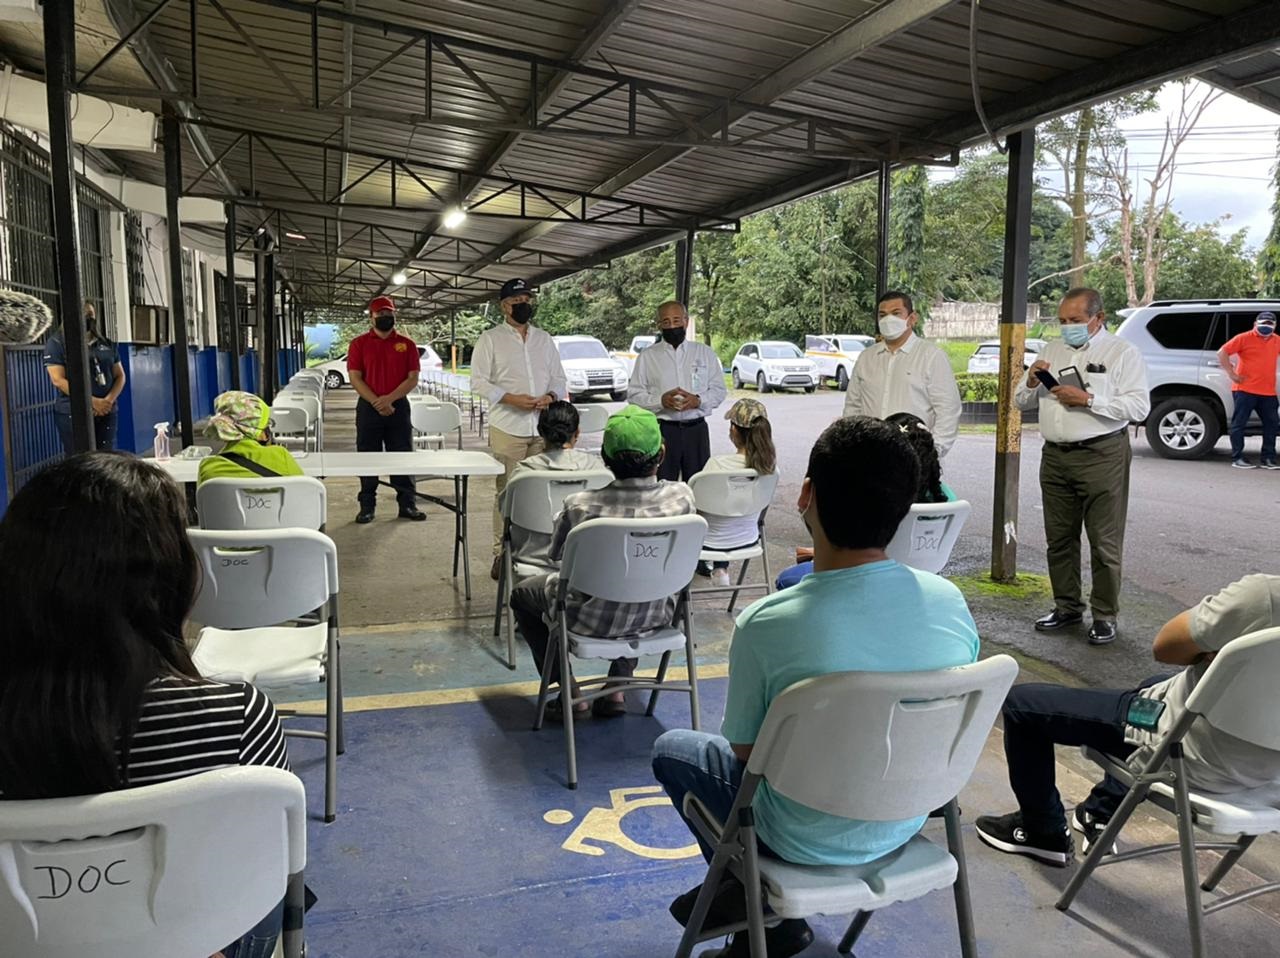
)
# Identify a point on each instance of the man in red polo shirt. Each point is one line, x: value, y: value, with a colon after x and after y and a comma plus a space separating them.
x: 383, y: 366
x: 1254, y: 387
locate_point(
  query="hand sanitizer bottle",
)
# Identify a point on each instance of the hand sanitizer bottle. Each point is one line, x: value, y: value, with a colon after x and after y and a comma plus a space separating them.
x: 162, y: 442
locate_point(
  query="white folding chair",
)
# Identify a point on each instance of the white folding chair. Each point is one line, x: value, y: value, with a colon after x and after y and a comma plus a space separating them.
x: 927, y: 534
x: 1235, y: 696
x: 298, y: 502
x: 873, y: 746
x: 734, y: 495
x: 251, y: 581
x: 623, y: 560
x: 179, y: 868
x: 532, y: 501
x: 432, y: 423
x: 592, y: 417
x: 291, y: 425
x: 314, y: 408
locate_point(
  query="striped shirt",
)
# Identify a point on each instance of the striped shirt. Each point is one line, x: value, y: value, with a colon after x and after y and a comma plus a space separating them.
x: 189, y: 726
x: 646, y: 498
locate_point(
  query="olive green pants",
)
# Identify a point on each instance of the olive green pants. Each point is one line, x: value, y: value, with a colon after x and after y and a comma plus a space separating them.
x: 1086, y: 487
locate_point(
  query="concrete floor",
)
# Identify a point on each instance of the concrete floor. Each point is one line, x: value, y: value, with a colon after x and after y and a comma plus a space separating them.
x: 446, y: 842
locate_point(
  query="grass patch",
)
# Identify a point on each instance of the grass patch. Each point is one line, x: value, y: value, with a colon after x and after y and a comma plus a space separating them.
x: 958, y: 352
x: 1027, y: 585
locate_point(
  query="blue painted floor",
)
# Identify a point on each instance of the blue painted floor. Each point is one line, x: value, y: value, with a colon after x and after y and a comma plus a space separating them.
x: 453, y: 825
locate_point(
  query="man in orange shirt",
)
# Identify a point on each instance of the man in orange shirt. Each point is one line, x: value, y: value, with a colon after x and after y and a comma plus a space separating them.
x: 1254, y: 387
x: 383, y: 366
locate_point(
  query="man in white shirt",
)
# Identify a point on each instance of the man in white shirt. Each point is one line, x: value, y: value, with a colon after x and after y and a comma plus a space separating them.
x: 1084, y: 468
x: 516, y: 367
x: 903, y: 373
x: 680, y: 381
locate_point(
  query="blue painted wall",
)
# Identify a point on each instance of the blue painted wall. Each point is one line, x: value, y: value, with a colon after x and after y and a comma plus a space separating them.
x: 224, y: 371
x: 149, y: 397
x: 249, y: 371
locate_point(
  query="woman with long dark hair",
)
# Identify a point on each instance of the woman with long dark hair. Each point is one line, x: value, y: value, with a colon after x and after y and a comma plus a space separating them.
x: 97, y: 689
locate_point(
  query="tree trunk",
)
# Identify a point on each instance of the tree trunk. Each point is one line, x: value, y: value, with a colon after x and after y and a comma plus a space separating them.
x: 1079, y: 173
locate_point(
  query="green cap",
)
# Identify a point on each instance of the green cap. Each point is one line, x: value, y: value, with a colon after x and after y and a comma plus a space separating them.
x: 633, y: 429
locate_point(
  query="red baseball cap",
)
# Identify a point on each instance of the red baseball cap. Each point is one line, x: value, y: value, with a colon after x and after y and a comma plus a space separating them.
x: 380, y: 303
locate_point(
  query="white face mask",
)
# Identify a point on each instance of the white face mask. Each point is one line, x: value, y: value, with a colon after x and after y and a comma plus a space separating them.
x: 891, y: 326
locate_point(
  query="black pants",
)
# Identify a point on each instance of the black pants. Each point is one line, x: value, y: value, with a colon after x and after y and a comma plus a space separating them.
x: 688, y: 448
x: 1039, y: 716
x: 378, y: 433
x: 1266, y: 407
x: 529, y: 604
x: 104, y: 431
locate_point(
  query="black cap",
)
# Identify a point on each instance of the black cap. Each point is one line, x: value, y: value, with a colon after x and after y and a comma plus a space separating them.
x: 515, y: 287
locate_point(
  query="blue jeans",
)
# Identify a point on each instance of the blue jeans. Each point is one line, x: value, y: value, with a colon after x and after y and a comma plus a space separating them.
x: 260, y: 940
x: 686, y: 761
x: 104, y: 429
x: 789, y: 577
x: 1268, y: 408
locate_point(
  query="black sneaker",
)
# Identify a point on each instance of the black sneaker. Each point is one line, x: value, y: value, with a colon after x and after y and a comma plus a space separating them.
x: 1057, y: 619
x: 1090, y: 830
x: 1005, y: 833
x: 789, y: 937
x: 1102, y: 632
x: 1269, y: 464
x: 1242, y: 463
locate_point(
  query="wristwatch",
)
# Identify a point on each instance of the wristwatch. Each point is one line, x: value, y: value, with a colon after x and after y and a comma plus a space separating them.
x: 1090, y: 402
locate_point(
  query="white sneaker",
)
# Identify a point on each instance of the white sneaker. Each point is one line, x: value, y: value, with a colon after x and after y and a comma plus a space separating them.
x: 720, y: 577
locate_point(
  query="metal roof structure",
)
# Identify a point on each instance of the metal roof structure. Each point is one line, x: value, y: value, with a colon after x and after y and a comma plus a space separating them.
x: 575, y: 131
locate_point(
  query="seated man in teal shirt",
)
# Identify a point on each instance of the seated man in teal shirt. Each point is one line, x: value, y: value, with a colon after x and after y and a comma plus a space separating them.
x: 860, y: 611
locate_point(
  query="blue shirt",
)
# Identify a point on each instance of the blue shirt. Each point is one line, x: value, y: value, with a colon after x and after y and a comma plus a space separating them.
x: 879, y: 617
x: 102, y: 367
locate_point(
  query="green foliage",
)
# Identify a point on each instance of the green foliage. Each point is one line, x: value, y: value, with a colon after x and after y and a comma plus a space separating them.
x: 907, y: 217
x: 978, y: 387
x: 1269, y: 259
x: 958, y: 352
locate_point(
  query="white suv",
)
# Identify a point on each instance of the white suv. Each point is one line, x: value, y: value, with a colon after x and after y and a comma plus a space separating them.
x: 774, y: 365
x: 336, y: 375
x: 1191, y: 399
x: 588, y: 368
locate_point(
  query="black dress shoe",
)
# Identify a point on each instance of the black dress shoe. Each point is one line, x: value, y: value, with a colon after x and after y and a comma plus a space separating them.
x: 412, y: 513
x: 1057, y: 619
x: 789, y: 937
x: 365, y: 517
x: 1102, y: 632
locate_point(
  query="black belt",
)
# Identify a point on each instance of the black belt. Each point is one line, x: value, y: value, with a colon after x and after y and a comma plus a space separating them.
x: 1093, y: 441
x: 684, y: 423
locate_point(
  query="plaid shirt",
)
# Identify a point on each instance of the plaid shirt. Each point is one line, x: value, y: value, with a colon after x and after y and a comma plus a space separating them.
x: 622, y: 499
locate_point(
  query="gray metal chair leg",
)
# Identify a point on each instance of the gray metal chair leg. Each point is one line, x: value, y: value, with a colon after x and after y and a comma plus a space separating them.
x: 691, y: 665
x: 1102, y: 845
x: 553, y: 652
x: 715, y: 872
x: 964, y: 904
x: 331, y: 709
x: 751, y: 880
x: 742, y: 574
x: 1228, y: 862
x: 1187, y: 852
x: 850, y: 938
x: 662, y: 674
x: 292, y: 932
x: 566, y: 704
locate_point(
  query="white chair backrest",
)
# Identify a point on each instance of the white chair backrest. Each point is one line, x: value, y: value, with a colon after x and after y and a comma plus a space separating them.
x: 1236, y: 694
x: 532, y: 500
x: 304, y: 401
x: 421, y: 397
x: 298, y: 502
x: 261, y: 577
x: 927, y: 535
x: 128, y: 874
x: 733, y: 494
x: 435, y: 418
x: 592, y: 417
x: 633, y: 560
x: 880, y: 746
x: 313, y: 374
x: 290, y: 420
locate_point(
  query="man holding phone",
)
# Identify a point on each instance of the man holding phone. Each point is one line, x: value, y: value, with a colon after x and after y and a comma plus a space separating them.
x: 1122, y: 723
x: 1089, y: 385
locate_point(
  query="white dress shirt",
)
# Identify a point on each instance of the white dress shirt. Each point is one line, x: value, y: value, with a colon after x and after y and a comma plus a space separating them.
x: 1120, y: 394
x: 915, y: 378
x: 504, y: 362
x: 692, y: 366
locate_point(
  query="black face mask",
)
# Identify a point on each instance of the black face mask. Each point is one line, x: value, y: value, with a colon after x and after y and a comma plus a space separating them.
x: 522, y: 312
x: 674, y: 336
x: 384, y: 324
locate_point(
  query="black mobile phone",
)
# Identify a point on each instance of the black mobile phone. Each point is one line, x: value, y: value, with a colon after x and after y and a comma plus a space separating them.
x: 1046, y: 377
x: 1145, y: 713
x: 1071, y: 377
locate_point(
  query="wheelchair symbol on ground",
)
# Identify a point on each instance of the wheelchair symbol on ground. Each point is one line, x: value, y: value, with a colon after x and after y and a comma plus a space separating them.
x: 601, y: 825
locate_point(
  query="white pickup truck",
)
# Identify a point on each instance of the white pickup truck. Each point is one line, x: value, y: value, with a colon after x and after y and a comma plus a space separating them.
x: 835, y: 354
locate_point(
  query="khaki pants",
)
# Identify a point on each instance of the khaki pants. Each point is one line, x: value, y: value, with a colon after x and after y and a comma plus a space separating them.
x: 508, y: 450
x: 1086, y: 486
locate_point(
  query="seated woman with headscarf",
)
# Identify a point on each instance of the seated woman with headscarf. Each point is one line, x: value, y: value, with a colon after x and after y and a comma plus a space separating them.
x: 243, y: 422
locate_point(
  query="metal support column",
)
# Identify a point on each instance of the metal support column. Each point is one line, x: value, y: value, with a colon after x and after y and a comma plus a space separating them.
x: 258, y: 327
x: 177, y: 299
x: 270, y: 332
x: 60, y: 58
x: 233, y: 304
x: 684, y: 268
x: 453, y: 340
x: 1013, y: 335
x: 883, y: 183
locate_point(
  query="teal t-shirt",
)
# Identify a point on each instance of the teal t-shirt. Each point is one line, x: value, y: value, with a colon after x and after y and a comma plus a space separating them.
x: 879, y: 617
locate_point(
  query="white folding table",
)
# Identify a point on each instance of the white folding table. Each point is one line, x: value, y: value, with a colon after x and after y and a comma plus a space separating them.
x: 456, y: 464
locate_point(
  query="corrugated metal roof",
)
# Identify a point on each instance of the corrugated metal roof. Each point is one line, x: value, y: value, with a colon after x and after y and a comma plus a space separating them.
x: 893, y: 75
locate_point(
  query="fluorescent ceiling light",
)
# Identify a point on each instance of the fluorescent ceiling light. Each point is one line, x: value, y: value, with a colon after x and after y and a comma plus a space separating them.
x: 400, y: 278
x: 454, y: 217
x: 297, y: 236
